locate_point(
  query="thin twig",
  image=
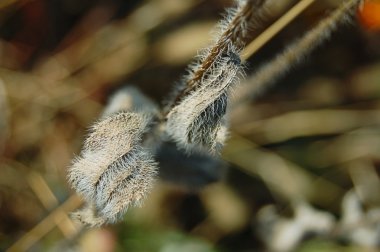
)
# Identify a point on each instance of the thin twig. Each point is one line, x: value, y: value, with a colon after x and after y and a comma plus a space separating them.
x: 235, y: 31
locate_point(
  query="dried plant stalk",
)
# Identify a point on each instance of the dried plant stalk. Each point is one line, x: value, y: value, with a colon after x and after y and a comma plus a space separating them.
x: 114, y: 171
x: 3, y: 115
x: 297, y: 51
x: 233, y: 30
x: 276, y: 27
x: 195, y: 114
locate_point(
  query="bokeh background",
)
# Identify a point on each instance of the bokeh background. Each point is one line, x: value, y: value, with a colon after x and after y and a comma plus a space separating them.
x: 311, y: 141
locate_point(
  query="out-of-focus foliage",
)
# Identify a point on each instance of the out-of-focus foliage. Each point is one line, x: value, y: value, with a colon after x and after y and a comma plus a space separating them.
x: 314, y: 137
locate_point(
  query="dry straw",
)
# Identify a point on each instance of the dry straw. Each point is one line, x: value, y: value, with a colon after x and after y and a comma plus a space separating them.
x: 296, y: 52
x: 3, y: 115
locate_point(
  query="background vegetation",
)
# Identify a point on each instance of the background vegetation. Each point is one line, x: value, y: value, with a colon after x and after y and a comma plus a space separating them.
x: 309, y: 140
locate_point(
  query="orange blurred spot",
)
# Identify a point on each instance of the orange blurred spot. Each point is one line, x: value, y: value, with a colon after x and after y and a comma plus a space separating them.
x: 369, y: 14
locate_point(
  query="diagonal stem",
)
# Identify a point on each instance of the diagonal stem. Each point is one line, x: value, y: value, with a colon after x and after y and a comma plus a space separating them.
x: 275, y: 28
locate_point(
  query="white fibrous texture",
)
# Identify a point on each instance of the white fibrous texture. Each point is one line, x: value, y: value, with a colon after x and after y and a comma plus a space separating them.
x: 232, y: 31
x: 196, y: 114
x: 198, y: 121
x: 114, y: 171
x: 131, y: 99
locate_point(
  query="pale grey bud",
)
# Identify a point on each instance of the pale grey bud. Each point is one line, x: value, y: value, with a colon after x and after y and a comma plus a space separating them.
x: 113, y: 171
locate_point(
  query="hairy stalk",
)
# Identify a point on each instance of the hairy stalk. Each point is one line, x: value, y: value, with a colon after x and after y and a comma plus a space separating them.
x: 297, y: 51
x: 233, y: 30
x: 195, y: 119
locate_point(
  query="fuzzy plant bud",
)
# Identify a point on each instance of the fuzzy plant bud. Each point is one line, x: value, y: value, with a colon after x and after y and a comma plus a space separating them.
x: 114, y: 171
x: 198, y: 121
x: 131, y: 99
x: 196, y: 111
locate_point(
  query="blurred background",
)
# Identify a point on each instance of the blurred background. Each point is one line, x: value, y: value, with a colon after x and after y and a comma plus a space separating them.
x: 300, y: 171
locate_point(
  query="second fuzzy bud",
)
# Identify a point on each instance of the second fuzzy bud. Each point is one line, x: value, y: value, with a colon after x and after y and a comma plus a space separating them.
x: 197, y: 122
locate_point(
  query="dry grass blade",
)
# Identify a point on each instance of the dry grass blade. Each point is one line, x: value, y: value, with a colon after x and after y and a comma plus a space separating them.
x: 276, y: 27
x: 298, y: 50
x: 287, y: 180
x: 46, y: 225
x: 47, y: 198
x: 3, y: 115
x: 308, y: 123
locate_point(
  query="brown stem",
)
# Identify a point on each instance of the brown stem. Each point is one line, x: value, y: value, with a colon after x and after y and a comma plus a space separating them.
x: 235, y: 33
